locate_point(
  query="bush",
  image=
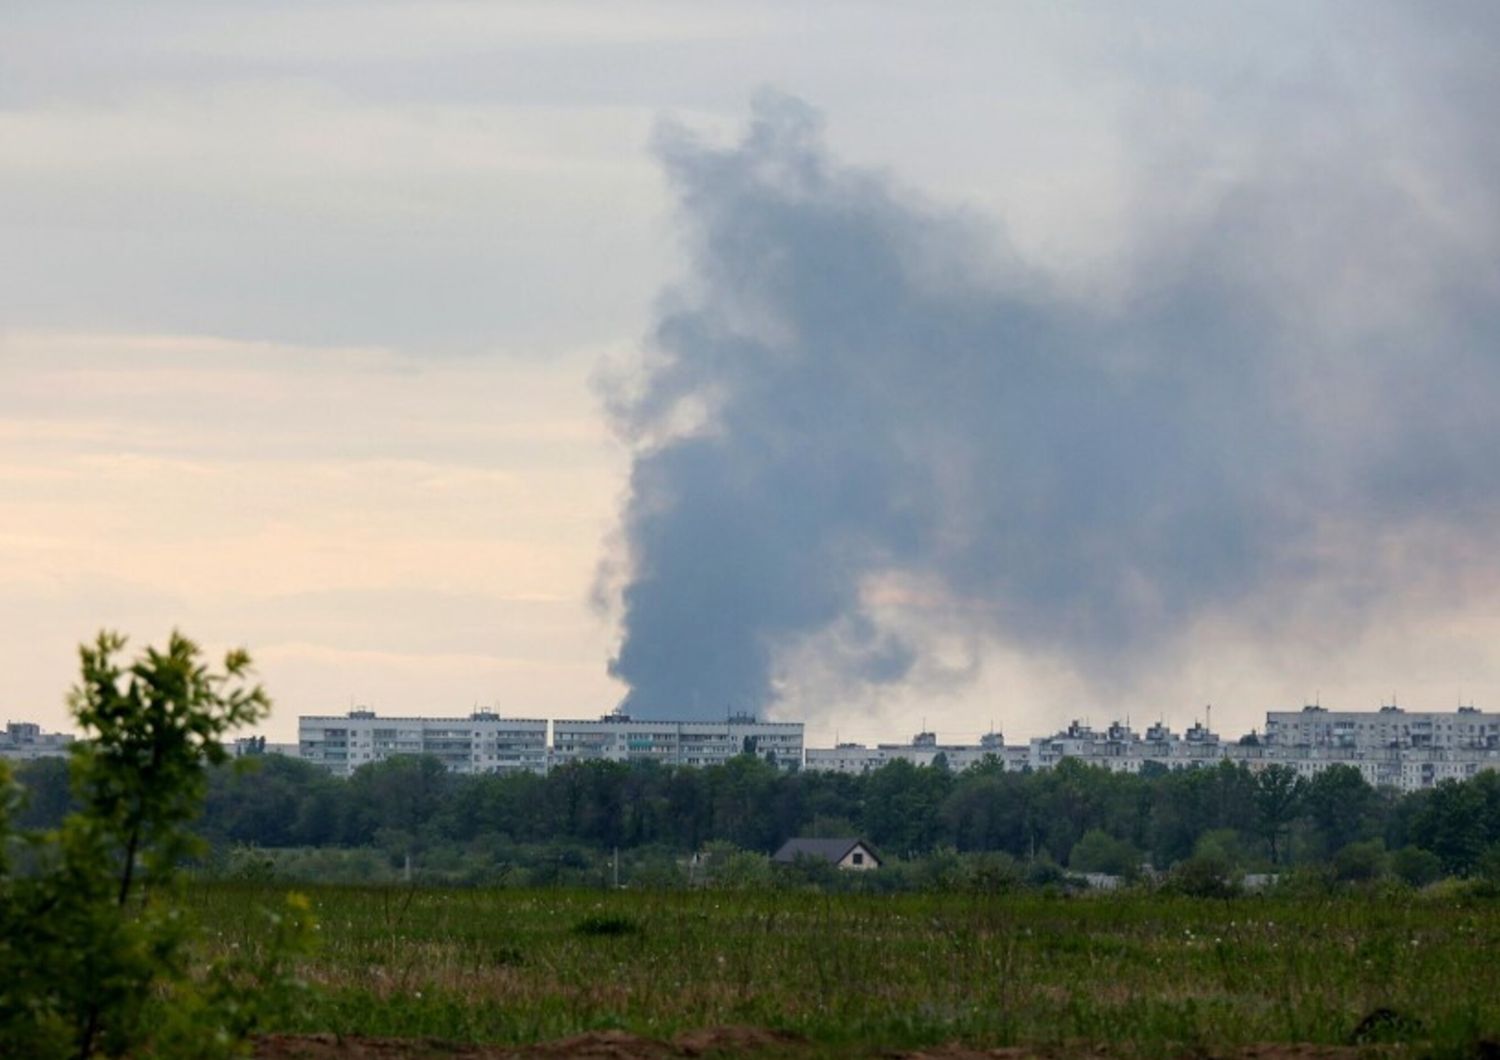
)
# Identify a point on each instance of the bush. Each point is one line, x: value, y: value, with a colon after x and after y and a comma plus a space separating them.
x: 604, y: 925
x: 810, y: 872
x: 1417, y: 867
x: 991, y: 873
x: 94, y: 946
x: 1098, y: 851
x: 1206, y: 875
x: 1043, y: 872
x: 1361, y: 862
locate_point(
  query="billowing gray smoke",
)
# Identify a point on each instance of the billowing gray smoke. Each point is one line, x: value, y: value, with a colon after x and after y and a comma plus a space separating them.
x: 861, y: 405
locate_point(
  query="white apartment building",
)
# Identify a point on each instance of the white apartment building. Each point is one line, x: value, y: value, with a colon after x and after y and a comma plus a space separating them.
x: 923, y: 750
x: 1389, y: 727
x: 1120, y: 749
x: 1428, y: 755
x: 483, y: 742
x: 621, y: 738
x: 1404, y: 766
x: 24, y: 741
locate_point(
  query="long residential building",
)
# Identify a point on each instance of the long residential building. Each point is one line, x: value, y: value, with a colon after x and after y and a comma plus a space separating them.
x: 621, y: 738
x: 488, y: 743
x: 1390, y: 727
x: 483, y: 742
x: 924, y: 750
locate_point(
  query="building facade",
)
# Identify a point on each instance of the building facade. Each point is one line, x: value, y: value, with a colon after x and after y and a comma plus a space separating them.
x: 483, y: 742
x: 1393, y: 748
x: 1389, y: 727
x: 1390, y: 748
x: 923, y: 750
x: 24, y: 741
x: 621, y: 738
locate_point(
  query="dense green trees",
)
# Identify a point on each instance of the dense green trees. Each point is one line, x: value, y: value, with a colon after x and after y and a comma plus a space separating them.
x: 1073, y: 815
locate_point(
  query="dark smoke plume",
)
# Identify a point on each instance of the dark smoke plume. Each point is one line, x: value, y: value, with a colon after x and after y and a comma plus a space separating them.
x: 861, y: 405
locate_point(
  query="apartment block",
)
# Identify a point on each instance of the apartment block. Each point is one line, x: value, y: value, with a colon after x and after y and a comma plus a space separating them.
x: 484, y: 742
x: 621, y: 738
x: 923, y: 750
x: 1389, y: 727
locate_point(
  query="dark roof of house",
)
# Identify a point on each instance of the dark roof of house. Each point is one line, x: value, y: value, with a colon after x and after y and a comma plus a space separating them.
x: 830, y: 850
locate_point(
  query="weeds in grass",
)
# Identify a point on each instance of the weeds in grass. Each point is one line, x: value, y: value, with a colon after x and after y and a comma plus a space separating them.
x: 606, y: 926
x: 860, y: 973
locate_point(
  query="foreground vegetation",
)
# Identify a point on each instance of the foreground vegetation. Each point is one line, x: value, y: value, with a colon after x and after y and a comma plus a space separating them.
x: 97, y: 956
x: 969, y: 933
x: 865, y: 973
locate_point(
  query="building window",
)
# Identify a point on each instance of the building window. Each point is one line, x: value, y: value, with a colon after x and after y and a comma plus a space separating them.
x: 859, y: 859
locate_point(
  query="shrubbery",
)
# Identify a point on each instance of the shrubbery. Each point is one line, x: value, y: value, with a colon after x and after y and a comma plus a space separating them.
x: 96, y: 952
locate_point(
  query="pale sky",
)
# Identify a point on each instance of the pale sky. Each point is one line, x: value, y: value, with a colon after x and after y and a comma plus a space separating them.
x: 304, y: 309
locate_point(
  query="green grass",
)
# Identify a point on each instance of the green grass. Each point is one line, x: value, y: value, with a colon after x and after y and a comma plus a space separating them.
x: 861, y: 973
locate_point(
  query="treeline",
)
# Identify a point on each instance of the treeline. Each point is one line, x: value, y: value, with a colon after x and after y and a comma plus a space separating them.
x: 1074, y: 816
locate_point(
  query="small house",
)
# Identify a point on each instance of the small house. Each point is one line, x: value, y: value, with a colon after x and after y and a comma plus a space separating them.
x: 853, y: 854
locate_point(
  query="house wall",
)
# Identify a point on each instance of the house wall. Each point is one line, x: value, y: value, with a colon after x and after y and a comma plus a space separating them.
x: 867, y: 864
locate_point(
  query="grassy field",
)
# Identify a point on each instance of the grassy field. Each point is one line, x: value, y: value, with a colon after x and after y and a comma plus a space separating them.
x: 861, y: 974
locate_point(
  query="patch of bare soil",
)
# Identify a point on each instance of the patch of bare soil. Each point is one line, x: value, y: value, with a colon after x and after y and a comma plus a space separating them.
x: 1266, y: 1051
x: 736, y: 1041
x: 595, y: 1045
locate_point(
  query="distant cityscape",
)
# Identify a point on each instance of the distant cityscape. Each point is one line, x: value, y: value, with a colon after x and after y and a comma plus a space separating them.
x: 1391, y: 747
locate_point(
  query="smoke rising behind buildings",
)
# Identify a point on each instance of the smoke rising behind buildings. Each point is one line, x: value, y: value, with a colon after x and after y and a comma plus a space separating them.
x: 864, y: 423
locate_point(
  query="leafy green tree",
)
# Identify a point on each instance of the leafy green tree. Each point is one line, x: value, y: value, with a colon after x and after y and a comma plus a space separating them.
x: 94, y: 950
x: 1341, y: 806
x: 1278, y: 800
x: 1451, y: 824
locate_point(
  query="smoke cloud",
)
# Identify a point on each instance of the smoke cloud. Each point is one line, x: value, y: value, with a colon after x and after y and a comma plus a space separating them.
x: 863, y: 420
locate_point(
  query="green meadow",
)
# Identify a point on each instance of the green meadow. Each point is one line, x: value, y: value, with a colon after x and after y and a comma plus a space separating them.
x: 861, y: 974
